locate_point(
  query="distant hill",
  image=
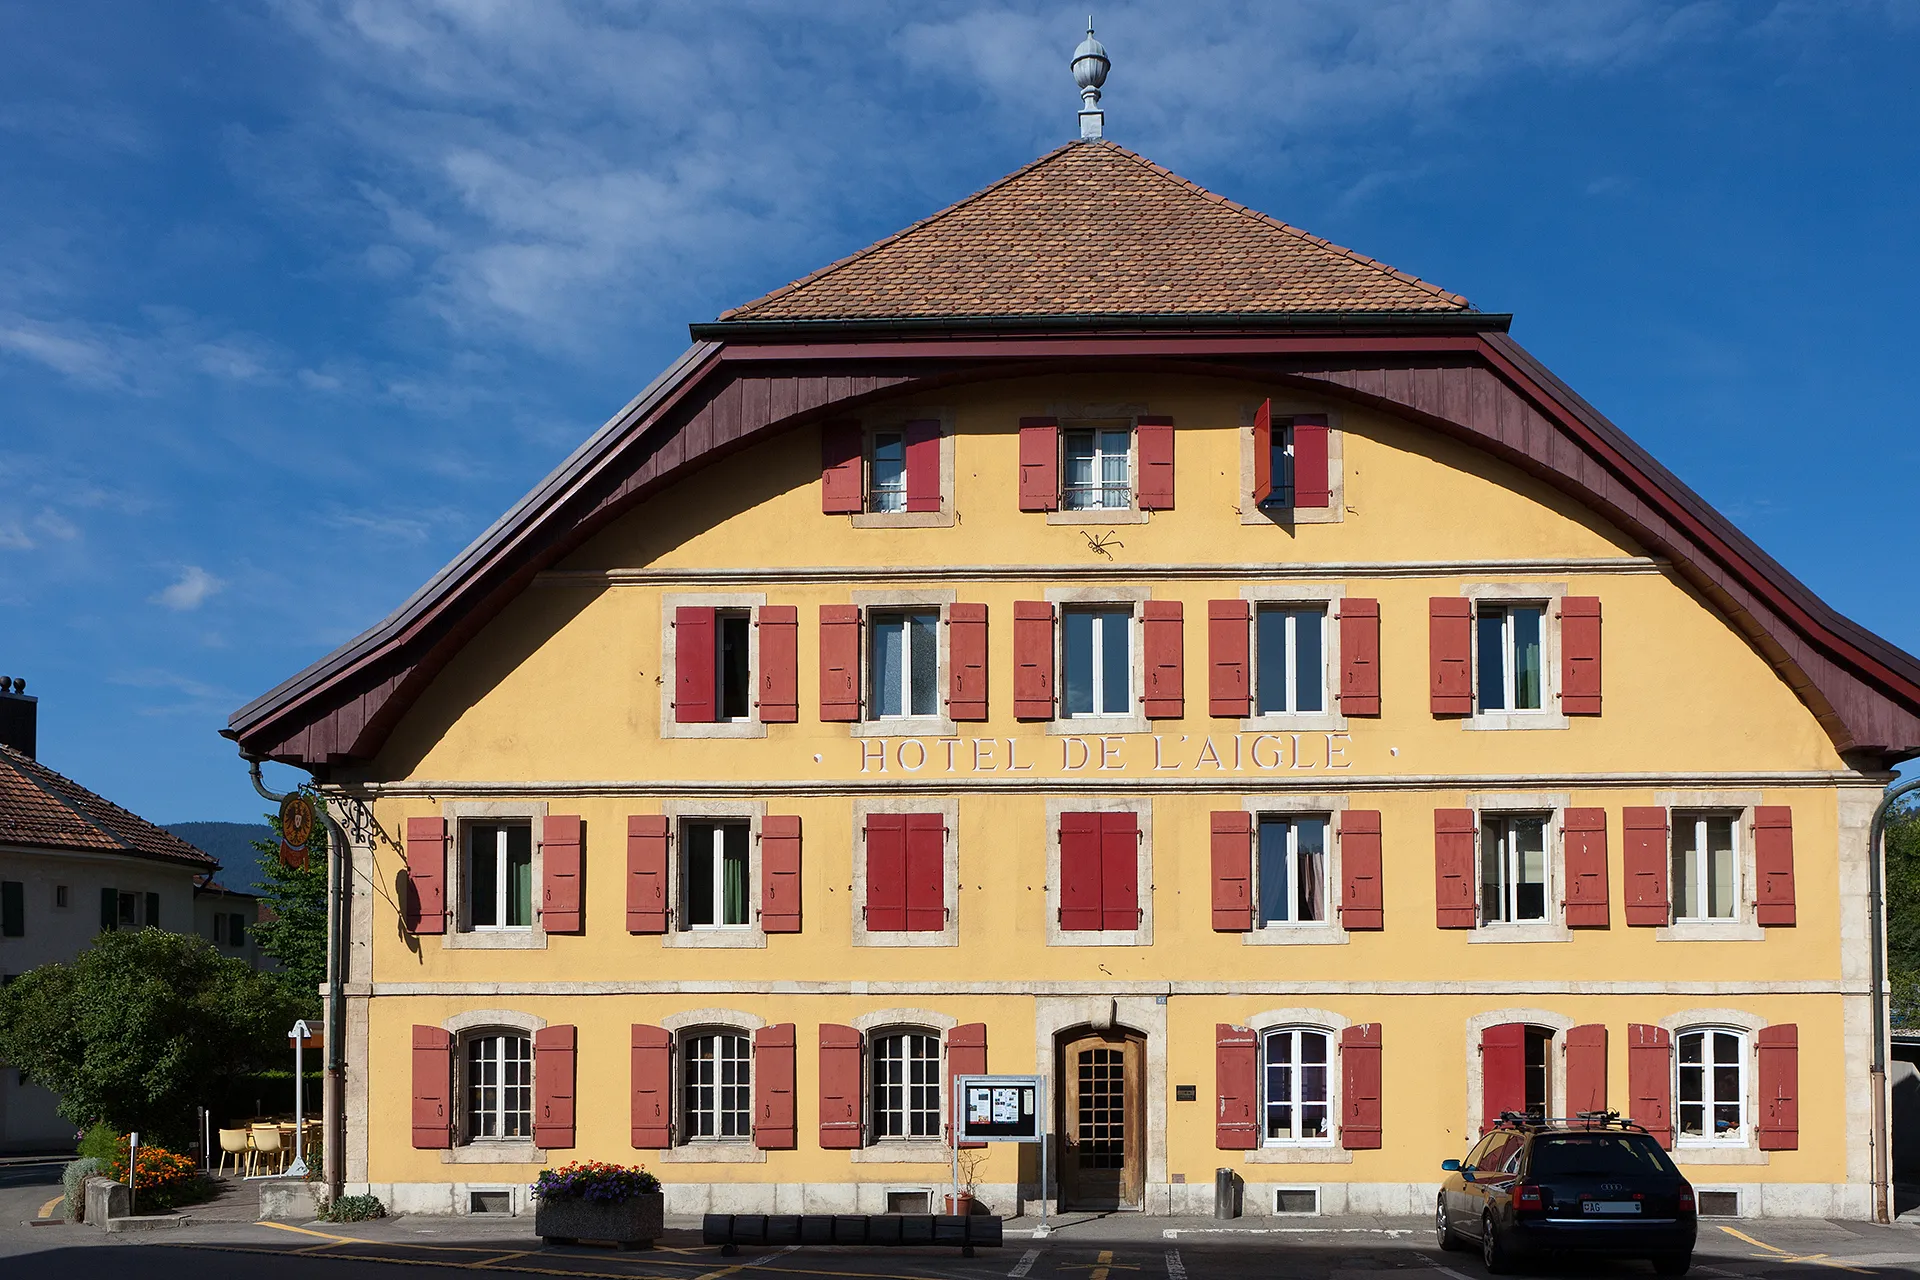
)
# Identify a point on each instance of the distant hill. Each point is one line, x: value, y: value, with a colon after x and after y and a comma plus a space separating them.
x: 232, y: 844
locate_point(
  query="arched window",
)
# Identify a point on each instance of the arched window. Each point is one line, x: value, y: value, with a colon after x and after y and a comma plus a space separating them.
x: 499, y: 1094
x: 716, y: 1092
x: 906, y: 1084
x: 1297, y: 1086
x: 1711, y: 1091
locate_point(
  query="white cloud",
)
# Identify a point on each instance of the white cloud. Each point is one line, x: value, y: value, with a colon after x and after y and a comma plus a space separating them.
x: 190, y: 592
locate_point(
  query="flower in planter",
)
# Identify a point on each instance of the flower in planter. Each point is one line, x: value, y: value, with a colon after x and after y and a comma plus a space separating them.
x: 595, y: 1181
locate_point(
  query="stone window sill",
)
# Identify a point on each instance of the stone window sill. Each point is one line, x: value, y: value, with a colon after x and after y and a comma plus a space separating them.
x: 1521, y: 933
x: 485, y: 1152
x: 534, y: 939
x: 941, y: 519
x: 1295, y: 935
x: 1684, y: 1154
x: 722, y: 939
x: 1300, y: 1155
x: 904, y: 727
x: 892, y: 1152
x: 1100, y: 515
x: 714, y: 1153
x: 714, y: 729
x: 1711, y: 931
x: 1500, y: 721
x: 1097, y: 727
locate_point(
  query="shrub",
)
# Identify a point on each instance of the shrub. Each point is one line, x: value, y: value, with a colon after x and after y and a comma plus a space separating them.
x: 164, y: 1179
x: 595, y: 1181
x: 100, y: 1142
x: 74, y: 1179
x: 355, y: 1209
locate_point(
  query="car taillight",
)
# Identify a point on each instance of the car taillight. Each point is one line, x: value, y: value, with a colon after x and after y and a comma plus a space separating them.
x: 1528, y: 1196
x: 1686, y: 1197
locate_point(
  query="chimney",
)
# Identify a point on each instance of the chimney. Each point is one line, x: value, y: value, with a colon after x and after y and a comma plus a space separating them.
x: 19, y: 715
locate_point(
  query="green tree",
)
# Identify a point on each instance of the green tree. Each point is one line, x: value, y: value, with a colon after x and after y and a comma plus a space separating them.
x: 293, y: 923
x: 1903, y: 913
x: 142, y: 1027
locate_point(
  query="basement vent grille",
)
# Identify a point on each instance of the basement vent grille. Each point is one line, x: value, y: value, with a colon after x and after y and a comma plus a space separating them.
x: 909, y: 1202
x: 1719, y: 1204
x: 1296, y: 1201
x: 500, y: 1202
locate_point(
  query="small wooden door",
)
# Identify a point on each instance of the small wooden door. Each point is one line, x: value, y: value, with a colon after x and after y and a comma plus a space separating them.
x: 1102, y: 1127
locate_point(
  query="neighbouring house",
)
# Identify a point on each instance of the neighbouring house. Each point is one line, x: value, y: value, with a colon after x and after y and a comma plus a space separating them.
x: 73, y: 864
x: 1105, y: 632
x: 225, y: 917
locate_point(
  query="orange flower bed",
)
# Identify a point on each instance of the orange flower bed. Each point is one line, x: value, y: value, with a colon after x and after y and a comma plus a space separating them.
x: 163, y: 1178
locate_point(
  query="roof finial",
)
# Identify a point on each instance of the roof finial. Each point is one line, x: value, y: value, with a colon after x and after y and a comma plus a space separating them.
x: 1090, y: 65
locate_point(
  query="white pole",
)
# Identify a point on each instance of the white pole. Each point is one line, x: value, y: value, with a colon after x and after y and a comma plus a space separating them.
x: 298, y: 1169
x: 1042, y: 1231
x: 133, y: 1167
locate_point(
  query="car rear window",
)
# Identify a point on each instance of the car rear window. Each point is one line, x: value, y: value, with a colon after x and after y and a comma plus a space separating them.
x: 1598, y: 1153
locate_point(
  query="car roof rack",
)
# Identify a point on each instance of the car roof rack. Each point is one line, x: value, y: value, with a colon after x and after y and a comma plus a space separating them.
x: 1584, y: 1121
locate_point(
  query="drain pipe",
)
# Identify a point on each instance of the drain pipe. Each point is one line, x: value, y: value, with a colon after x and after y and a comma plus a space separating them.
x: 1876, y: 909
x: 333, y: 1091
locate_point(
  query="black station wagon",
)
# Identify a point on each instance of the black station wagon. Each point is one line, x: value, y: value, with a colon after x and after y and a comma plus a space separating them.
x: 1592, y: 1184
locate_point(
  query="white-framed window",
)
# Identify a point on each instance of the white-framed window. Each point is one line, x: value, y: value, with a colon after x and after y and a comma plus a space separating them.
x: 499, y: 879
x: 887, y: 472
x: 1513, y: 868
x: 1097, y: 469
x: 1292, y: 871
x: 1096, y: 654
x: 1280, y: 460
x: 716, y: 1087
x: 1290, y: 660
x: 906, y: 1085
x: 715, y: 874
x: 499, y: 1097
x: 1510, y: 658
x: 1710, y: 1089
x: 903, y: 663
x: 1297, y: 1086
x: 733, y: 665
x: 1706, y: 867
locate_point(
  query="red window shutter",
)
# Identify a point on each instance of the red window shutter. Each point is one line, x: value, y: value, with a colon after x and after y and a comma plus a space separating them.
x: 1153, y: 440
x: 652, y: 1082
x: 554, y: 1059
x: 1032, y: 660
x: 1586, y: 1069
x: 1236, y: 1084
x: 1644, y: 855
x: 1580, y: 655
x: 694, y: 698
x: 560, y: 873
x: 840, y: 1109
x: 1161, y: 628
x: 1119, y: 871
x: 926, y: 873
x: 1232, y: 871
x: 1312, y: 486
x: 1263, y: 452
x: 1039, y: 464
x: 773, y: 1067
x: 1360, y: 1087
x: 1359, y: 657
x: 1773, y: 861
x: 1503, y: 1071
x: 779, y: 675
x: 1650, y: 1079
x: 1450, y: 654
x: 646, y: 873
x: 839, y: 662
x: 427, y: 875
x: 1453, y: 896
x: 843, y: 447
x: 432, y: 1088
x: 966, y: 1056
x: 1229, y: 693
x: 1080, y: 871
x: 967, y: 661
x: 1362, y: 905
x: 1779, y: 1048
x: 923, y: 465
x: 1586, y: 854
x: 886, y: 872
x: 780, y: 873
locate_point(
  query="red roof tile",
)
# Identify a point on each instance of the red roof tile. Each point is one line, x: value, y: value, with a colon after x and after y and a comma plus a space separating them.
x: 42, y: 809
x: 1094, y: 229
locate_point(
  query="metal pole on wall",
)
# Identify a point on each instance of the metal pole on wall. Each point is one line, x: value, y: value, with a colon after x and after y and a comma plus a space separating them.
x: 299, y: 1036
x: 1877, y: 1138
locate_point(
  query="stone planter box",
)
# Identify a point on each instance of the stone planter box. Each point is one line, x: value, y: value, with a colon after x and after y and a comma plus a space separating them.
x: 631, y: 1224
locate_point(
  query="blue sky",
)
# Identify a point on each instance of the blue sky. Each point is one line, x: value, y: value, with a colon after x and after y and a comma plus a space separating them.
x: 295, y: 297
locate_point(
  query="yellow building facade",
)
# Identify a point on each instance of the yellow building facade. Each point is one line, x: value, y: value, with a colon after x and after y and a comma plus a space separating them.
x: 1155, y: 650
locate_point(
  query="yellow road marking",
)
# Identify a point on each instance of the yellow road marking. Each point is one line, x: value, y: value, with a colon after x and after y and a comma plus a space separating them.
x: 1100, y: 1266
x: 505, y: 1257
x: 46, y: 1210
x: 419, y: 1262
x: 1778, y: 1254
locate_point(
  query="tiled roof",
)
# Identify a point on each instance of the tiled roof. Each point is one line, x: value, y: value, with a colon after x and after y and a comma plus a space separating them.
x: 41, y: 809
x: 1092, y: 229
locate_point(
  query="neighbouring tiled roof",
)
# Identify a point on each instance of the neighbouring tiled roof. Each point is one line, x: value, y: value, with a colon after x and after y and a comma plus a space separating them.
x: 42, y: 809
x: 1093, y: 229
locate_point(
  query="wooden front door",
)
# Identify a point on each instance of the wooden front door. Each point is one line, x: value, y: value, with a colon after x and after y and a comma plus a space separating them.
x: 1102, y: 1127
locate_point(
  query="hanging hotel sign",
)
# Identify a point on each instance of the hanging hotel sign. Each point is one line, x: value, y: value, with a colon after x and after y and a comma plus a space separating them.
x: 296, y: 828
x: 1110, y: 753
x: 998, y: 1108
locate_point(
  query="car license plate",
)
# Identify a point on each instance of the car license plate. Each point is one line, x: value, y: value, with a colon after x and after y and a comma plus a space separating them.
x: 1610, y: 1206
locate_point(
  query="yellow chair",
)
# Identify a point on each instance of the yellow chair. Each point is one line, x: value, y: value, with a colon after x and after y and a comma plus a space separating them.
x: 234, y: 1143
x: 267, y: 1148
